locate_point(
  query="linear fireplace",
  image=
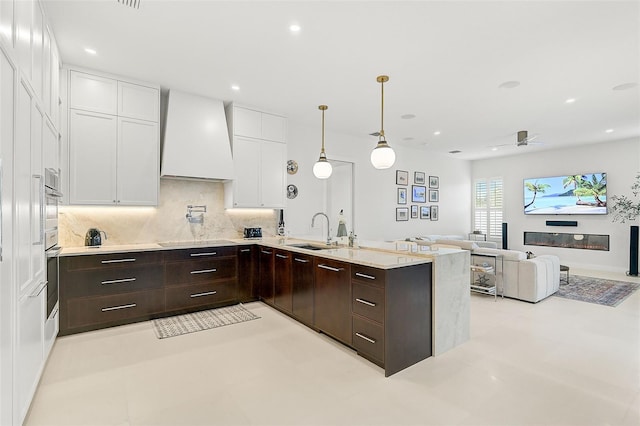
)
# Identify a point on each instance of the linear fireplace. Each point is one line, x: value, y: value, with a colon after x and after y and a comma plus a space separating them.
x: 577, y: 241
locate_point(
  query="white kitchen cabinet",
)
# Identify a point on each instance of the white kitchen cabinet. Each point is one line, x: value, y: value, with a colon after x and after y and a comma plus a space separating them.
x: 37, y: 29
x: 251, y: 123
x: 46, y: 70
x: 50, y: 147
x: 260, y: 177
x: 93, y: 93
x: 23, y: 14
x: 37, y: 197
x: 113, y: 141
x: 136, y: 101
x: 55, y: 85
x: 259, y: 158
x: 92, y: 155
x: 137, y: 162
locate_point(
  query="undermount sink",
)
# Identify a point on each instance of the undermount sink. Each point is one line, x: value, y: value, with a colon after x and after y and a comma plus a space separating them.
x: 309, y: 246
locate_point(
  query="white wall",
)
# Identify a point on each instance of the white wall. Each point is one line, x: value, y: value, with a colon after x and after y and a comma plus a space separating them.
x: 375, y: 190
x: 620, y: 160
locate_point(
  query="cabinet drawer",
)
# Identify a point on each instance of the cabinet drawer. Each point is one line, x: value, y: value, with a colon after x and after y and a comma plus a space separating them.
x: 368, y: 339
x: 368, y: 301
x: 205, y: 270
x: 368, y: 275
x: 200, y: 253
x: 188, y: 296
x: 106, y: 309
x: 117, y: 260
x: 108, y: 281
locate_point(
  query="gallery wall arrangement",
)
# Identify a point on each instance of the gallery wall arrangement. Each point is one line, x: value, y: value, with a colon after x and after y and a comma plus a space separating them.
x: 420, y: 193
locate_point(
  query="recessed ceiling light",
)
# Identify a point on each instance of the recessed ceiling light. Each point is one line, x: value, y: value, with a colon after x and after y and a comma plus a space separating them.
x: 408, y: 116
x: 235, y: 87
x: 90, y: 51
x: 570, y: 101
x: 509, y: 84
x: 294, y: 28
x: 625, y: 86
x: 609, y: 131
x: 436, y: 133
x: 494, y: 148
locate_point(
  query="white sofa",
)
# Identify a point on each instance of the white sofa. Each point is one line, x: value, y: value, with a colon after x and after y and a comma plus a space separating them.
x: 525, y: 279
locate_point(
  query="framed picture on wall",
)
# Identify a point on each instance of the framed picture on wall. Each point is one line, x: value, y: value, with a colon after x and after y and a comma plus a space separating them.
x: 402, y: 195
x: 414, y: 212
x: 402, y: 214
x: 434, y: 212
x: 434, y: 182
x: 433, y: 196
x: 418, y: 178
x: 402, y: 177
x: 418, y: 194
x: 425, y: 212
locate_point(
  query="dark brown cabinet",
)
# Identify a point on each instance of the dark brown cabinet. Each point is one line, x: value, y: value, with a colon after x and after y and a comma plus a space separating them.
x: 332, y: 301
x: 98, y: 291
x: 247, y: 272
x: 265, y: 274
x: 200, y: 278
x: 282, y: 283
x: 302, y: 279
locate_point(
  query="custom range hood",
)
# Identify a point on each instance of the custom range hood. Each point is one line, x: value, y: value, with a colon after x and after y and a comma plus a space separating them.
x: 196, y: 140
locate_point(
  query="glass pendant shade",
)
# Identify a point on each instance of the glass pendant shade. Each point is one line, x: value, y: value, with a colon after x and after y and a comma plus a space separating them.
x: 383, y: 156
x: 322, y: 169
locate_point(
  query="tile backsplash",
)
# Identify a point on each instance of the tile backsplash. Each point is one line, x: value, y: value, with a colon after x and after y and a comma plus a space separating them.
x: 167, y: 221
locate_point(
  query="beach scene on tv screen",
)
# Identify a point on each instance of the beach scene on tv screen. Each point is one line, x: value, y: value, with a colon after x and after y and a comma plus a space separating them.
x: 570, y: 194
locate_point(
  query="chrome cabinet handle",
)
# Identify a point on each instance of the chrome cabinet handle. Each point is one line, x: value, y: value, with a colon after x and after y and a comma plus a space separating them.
x: 266, y: 252
x: 206, y: 293
x: 37, y: 292
x: 245, y: 250
x: 121, y: 280
x: 300, y: 260
x: 281, y: 256
x: 330, y: 268
x: 41, y: 219
x: 203, y: 271
x: 368, y: 339
x: 119, y: 260
x: 365, y: 302
x: 213, y: 253
x: 369, y: 277
x: 115, y: 308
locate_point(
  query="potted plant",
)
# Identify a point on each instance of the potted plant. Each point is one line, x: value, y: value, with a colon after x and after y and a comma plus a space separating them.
x: 624, y: 208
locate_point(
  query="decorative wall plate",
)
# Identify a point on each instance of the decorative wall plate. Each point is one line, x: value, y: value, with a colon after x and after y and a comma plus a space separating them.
x: 292, y: 191
x: 292, y: 167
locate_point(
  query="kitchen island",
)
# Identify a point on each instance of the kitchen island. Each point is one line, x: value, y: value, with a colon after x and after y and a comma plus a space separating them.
x: 378, y: 302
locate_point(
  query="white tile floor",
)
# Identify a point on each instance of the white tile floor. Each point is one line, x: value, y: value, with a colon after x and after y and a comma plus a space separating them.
x: 558, y: 362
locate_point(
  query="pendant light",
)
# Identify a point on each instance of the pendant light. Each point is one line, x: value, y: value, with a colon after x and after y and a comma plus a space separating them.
x: 382, y: 156
x: 322, y: 169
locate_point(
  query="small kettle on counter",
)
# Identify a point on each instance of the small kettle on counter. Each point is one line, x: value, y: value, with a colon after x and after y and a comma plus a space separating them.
x: 93, y: 237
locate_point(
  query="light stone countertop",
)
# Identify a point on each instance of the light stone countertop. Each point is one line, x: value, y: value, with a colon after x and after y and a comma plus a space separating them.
x: 378, y: 257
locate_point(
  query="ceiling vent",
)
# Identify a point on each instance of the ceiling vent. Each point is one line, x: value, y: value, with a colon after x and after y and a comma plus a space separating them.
x: 455, y: 151
x: 131, y: 3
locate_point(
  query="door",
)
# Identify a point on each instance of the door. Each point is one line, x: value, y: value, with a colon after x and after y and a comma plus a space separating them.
x: 302, y: 273
x: 265, y: 274
x: 247, y: 268
x: 138, y: 162
x: 282, y: 280
x: 92, y: 158
x: 24, y: 184
x: 272, y: 174
x: 246, y: 160
x: 333, y: 299
x: 7, y: 294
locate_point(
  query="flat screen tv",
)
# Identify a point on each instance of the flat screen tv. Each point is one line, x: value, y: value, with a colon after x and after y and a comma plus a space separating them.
x: 569, y: 194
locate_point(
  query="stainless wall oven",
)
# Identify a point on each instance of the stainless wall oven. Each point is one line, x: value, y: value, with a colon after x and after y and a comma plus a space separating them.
x: 52, y: 250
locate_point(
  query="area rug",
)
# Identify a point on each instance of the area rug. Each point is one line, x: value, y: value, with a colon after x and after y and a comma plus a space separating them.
x: 596, y: 290
x: 203, y: 320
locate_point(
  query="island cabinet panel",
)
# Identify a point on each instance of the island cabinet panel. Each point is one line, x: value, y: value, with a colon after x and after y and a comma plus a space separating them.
x: 265, y: 274
x: 200, y: 278
x: 368, y: 339
x: 332, y: 303
x: 282, y: 284
x: 98, y: 291
x: 247, y: 271
x: 303, y: 283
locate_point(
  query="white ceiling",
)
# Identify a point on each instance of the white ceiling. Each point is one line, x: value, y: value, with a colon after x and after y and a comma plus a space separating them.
x: 445, y: 60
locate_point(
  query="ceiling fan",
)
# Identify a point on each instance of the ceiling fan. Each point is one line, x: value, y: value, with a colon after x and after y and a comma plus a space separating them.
x: 523, y: 139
